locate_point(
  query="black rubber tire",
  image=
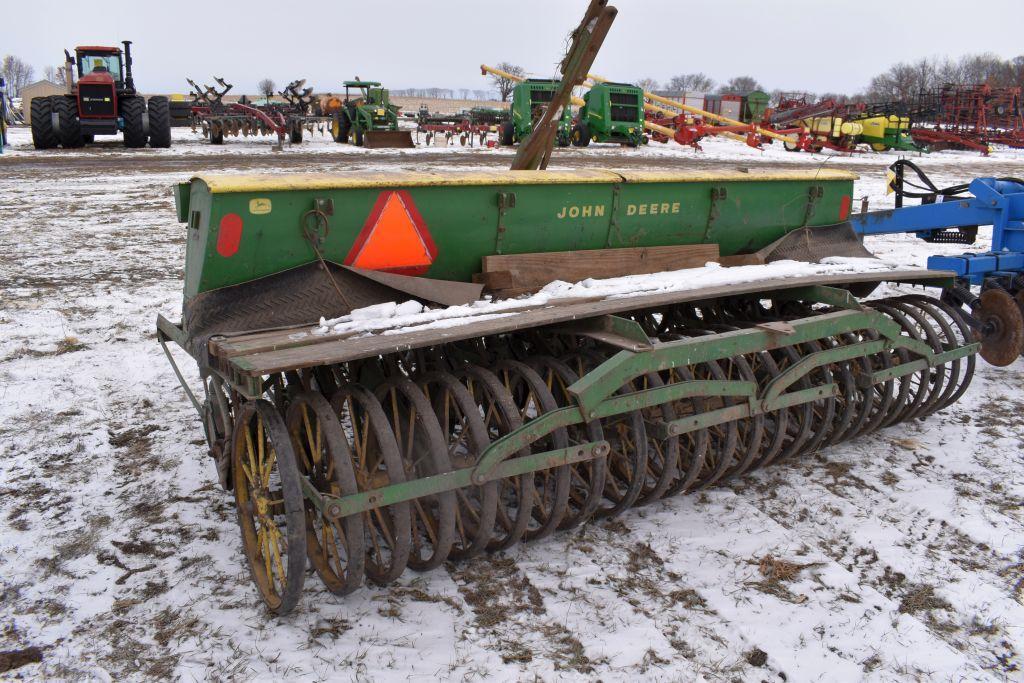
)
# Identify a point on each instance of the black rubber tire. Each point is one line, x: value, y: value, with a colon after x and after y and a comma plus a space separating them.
x: 580, y: 135
x: 217, y: 138
x: 295, y: 135
x: 88, y: 138
x: 133, y: 110
x: 340, y: 127
x: 159, y: 122
x: 43, y: 135
x: 69, y: 131
x: 507, y: 134
x: 357, y: 137
x: 181, y: 113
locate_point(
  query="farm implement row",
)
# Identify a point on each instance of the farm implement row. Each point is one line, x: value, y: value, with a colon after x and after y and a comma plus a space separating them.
x: 473, y: 126
x: 217, y: 118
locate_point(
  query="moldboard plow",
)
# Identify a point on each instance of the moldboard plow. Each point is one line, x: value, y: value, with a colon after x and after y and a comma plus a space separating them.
x: 396, y: 435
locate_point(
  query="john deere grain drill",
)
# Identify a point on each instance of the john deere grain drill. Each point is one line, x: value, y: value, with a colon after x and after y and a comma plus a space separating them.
x: 372, y: 412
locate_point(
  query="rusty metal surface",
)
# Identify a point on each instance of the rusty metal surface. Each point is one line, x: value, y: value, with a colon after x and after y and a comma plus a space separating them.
x: 445, y: 292
x: 388, y: 138
x: 815, y: 243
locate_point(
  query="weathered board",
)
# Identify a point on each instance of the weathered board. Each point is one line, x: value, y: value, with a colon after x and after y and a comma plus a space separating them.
x: 529, y: 272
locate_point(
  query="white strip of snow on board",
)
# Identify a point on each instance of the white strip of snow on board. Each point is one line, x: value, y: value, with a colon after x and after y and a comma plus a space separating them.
x: 394, y: 318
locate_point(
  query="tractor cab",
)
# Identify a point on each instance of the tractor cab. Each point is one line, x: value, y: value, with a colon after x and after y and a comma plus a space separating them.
x: 368, y: 117
x: 98, y: 63
x: 370, y: 93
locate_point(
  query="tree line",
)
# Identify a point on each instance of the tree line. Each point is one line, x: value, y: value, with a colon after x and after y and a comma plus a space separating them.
x: 901, y: 82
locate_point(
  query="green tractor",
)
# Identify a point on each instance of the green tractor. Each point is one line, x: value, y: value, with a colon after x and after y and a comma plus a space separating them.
x: 529, y: 97
x: 368, y: 118
x: 612, y: 112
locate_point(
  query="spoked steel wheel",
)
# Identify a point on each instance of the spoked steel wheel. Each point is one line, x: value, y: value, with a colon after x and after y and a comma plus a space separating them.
x: 376, y: 463
x: 334, y: 547
x: 424, y: 453
x: 466, y: 436
x: 551, y: 486
x: 515, y: 494
x: 270, y: 506
x: 587, y: 477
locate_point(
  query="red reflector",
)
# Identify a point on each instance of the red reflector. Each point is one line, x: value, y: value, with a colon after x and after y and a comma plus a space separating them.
x: 229, y: 235
x: 844, y: 207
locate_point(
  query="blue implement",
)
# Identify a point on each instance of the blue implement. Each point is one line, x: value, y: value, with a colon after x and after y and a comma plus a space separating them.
x: 995, y: 202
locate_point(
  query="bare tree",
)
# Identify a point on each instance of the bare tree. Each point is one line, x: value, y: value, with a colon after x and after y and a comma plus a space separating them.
x: 55, y: 74
x: 16, y: 73
x: 697, y: 82
x: 266, y: 88
x: 740, y: 84
x: 647, y: 84
x: 505, y: 85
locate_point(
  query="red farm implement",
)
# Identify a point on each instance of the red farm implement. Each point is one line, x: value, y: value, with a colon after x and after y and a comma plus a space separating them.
x: 217, y: 118
x: 468, y: 127
x: 969, y: 117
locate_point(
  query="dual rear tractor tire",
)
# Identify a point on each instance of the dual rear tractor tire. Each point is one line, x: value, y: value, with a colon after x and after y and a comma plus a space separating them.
x: 44, y: 136
x: 159, y: 108
x: 55, y: 122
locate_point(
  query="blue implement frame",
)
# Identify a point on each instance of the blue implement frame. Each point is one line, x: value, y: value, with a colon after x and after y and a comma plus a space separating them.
x: 995, y: 202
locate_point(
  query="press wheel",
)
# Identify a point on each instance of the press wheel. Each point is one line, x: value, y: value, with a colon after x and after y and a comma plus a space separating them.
x: 515, y: 494
x: 466, y: 435
x: 586, y: 477
x: 376, y: 463
x: 424, y: 453
x: 334, y: 547
x: 532, y: 399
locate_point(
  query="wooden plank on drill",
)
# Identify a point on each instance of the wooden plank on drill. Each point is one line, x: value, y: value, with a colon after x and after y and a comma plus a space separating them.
x: 533, y: 271
x: 297, y: 349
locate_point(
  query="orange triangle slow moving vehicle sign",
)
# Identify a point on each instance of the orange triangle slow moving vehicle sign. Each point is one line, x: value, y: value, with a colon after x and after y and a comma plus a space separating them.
x: 394, y: 238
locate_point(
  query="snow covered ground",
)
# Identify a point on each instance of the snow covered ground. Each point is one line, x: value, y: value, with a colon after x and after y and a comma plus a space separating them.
x: 899, y: 556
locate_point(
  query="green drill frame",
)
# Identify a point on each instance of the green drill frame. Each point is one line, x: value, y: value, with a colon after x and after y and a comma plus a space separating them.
x: 596, y: 397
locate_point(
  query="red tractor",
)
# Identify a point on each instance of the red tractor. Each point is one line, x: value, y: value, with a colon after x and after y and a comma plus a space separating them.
x: 102, y: 102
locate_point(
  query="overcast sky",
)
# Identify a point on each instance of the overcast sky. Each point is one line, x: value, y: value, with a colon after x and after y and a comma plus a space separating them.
x: 816, y: 45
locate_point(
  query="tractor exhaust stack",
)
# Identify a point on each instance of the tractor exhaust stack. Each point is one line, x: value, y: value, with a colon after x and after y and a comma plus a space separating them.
x: 129, y: 82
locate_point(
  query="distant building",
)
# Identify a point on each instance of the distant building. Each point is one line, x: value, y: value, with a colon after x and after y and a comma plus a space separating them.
x: 689, y: 98
x: 43, y: 88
